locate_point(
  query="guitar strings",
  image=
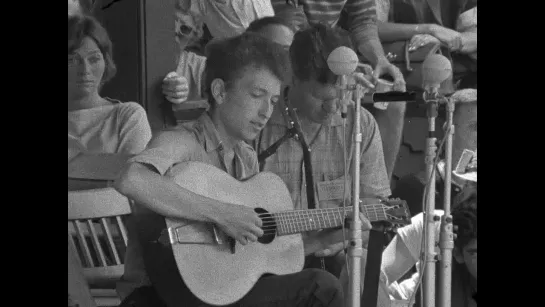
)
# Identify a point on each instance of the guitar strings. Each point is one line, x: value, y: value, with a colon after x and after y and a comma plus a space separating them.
x: 375, y: 208
x: 297, y: 221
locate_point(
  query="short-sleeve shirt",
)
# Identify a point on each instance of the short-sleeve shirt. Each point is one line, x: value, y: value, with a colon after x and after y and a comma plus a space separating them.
x: 199, y: 142
x: 411, y: 235
x: 115, y: 128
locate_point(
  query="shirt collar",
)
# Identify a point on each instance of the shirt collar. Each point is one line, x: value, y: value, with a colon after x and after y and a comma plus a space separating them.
x: 212, y: 141
x: 211, y: 138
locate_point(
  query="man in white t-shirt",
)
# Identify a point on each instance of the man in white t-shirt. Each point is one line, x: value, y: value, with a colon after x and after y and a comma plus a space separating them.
x: 405, y: 249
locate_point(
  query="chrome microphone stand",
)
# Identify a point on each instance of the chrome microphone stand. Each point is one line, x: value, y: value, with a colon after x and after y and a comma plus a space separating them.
x: 355, y: 250
x: 429, y: 210
x: 446, y: 235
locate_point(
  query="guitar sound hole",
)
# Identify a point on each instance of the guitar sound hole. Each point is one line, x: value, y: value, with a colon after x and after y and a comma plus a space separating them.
x: 268, y: 226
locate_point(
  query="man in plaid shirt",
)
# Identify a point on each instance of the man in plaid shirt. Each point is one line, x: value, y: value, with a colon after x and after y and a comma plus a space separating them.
x: 314, y: 94
x: 361, y: 21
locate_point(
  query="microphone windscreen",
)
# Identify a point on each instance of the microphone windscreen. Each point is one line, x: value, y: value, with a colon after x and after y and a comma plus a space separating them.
x: 436, y: 68
x: 342, y: 61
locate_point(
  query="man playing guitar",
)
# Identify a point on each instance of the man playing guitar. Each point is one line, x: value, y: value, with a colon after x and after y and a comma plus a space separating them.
x: 243, y: 79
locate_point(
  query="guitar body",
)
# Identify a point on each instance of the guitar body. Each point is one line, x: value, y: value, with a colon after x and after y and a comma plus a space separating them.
x: 202, y: 256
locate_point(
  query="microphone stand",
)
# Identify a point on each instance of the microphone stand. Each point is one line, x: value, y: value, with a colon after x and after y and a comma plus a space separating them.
x: 355, y: 250
x: 428, y: 252
x: 446, y: 235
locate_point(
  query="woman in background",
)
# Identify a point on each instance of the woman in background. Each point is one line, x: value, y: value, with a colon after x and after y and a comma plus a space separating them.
x: 98, y: 124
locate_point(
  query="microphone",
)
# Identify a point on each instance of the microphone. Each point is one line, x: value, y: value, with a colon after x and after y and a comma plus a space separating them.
x: 436, y: 68
x: 342, y: 61
x: 393, y: 97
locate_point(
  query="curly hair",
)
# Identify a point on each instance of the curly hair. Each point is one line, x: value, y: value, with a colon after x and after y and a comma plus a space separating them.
x: 227, y: 59
x: 464, y: 215
x: 81, y: 26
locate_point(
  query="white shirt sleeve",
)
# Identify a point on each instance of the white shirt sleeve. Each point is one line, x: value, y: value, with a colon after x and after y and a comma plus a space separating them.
x: 411, y: 234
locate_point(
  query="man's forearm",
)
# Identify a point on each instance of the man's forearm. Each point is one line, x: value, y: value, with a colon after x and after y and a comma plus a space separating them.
x: 368, y: 44
x: 469, y: 42
x: 164, y: 196
x: 363, y: 27
x: 391, y: 32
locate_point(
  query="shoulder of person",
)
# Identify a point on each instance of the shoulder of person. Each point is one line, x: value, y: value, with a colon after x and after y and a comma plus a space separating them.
x: 130, y: 110
x: 130, y: 107
x: 366, y: 118
x: 175, y: 139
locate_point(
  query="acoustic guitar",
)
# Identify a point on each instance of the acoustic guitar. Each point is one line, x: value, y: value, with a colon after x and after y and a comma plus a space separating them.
x: 193, y: 262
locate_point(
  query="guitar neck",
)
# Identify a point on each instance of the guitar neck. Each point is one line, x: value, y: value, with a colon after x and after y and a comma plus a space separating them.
x: 291, y: 222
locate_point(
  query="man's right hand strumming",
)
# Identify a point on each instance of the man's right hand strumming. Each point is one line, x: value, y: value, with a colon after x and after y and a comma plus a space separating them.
x: 239, y: 222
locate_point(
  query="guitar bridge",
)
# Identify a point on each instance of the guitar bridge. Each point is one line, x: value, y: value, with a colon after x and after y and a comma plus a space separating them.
x: 189, y: 235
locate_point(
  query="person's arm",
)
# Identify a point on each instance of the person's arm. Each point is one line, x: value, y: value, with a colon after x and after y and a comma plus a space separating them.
x: 391, y: 32
x: 329, y: 242
x: 374, y: 182
x: 363, y: 27
x: 188, y: 84
x: 469, y: 42
x: 143, y: 181
x: 396, y: 259
x: 404, y: 250
x: 135, y: 131
x: 467, y: 26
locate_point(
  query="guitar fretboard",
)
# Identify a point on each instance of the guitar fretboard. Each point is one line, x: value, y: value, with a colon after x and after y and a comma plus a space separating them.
x: 290, y: 222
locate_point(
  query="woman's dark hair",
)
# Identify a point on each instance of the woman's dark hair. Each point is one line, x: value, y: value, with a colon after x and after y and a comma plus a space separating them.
x: 310, y: 49
x: 228, y: 59
x: 464, y: 215
x: 82, y: 26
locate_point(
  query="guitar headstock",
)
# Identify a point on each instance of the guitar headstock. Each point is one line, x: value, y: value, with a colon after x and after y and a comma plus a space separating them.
x: 389, y: 213
x: 397, y: 212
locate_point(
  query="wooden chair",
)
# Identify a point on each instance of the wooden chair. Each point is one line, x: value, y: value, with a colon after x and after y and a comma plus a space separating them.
x: 91, y: 171
x: 78, y: 289
x: 97, y: 216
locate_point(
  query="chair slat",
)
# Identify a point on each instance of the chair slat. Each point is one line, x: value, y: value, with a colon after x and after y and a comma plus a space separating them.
x: 110, y: 240
x: 78, y: 289
x: 122, y: 229
x: 96, y: 243
x: 83, y: 242
x: 102, y: 274
x: 73, y: 247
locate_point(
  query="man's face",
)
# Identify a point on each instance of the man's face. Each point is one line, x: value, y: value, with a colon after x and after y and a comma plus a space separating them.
x: 468, y: 256
x: 309, y: 97
x: 248, y: 103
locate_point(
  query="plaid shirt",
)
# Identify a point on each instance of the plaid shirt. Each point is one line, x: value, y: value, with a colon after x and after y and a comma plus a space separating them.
x: 327, y: 157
